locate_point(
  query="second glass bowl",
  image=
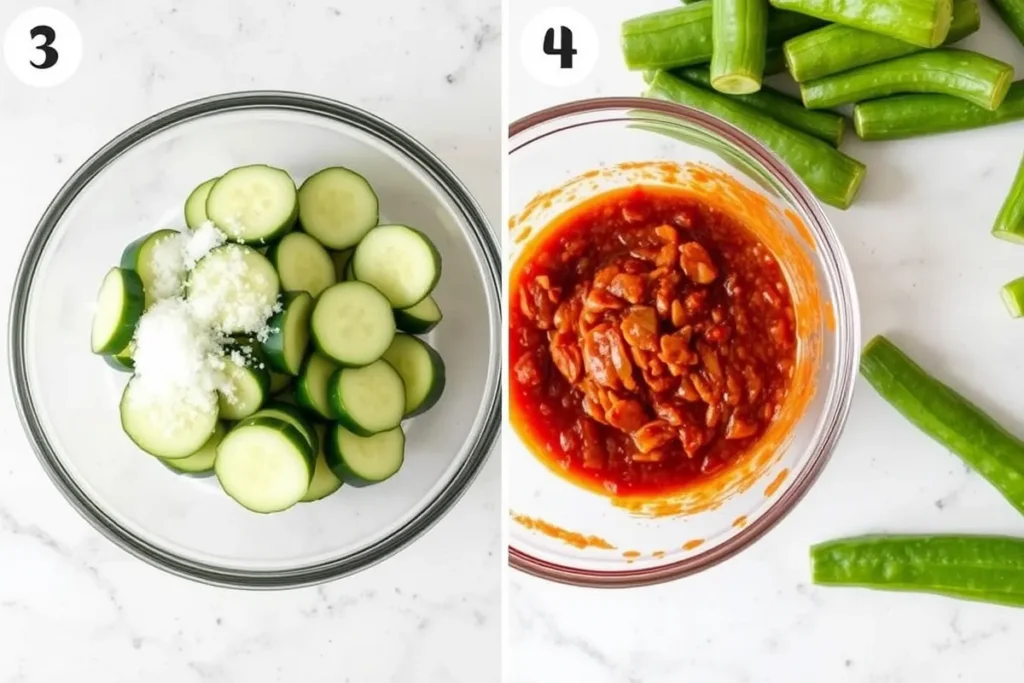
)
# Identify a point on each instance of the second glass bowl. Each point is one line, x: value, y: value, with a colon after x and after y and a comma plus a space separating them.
x: 565, y: 155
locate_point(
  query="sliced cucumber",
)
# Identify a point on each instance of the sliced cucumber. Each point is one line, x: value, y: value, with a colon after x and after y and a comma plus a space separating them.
x: 360, y: 460
x: 311, y: 386
x: 253, y: 204
x: 265, y: 465
x: 421, y: 369
x: 122, y: 361
x: 419, y: 318
x: 279, y: 382
x: 341, y: 260
x: 337, y: 207
x: 195, y: 205
x: 157, y: 259
x: 302, y: 264
x: 294, y: 417
x: 168, y: 428
x: 367, y: 400
x: 399, y: 261
x: 286, y: 343
x: 233, y: 288
x: 352, y: 323
x: 200, y: 462
x: 325, y: 481
x: 246, y: 387
x: 119, y: 306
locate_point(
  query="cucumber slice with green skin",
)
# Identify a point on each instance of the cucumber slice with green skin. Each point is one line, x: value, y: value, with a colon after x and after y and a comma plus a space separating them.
x: 247, y: 387
x: 1013, y: 297
x: 421, y: 369
x: 946, y: 416
x: 352, y: 324
x: 419, y: 318
x: 836, y: 48
x: 279, y: 382
x: 311, y: 385
x: 907, y: 116
x: 361, y: 460
x: 119, y: 306
x: 337, y: 207
x: 234, y: 288
x: 341, y: 260
x: 123, y: 361
x: 286, y: 344
x: 399, y: 261
x: 958, y: 73
x: 1009, y: 223
x: 832, y: 176
x: 918, y: 22
x: 253, y: 204
x: 145, y: 258
x: 200, y: 462
x: 739, y: 30
x: 367, y: 400
x: 325, y: 481
x: 293, y: 416
x: 302, y: 264
x: 168, y: 429
x: 980, y: 568
x: 265, y: 465
x: 195, y: 205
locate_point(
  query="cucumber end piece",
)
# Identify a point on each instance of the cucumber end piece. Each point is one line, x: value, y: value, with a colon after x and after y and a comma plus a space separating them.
x: 1013, y: 296
x: 1015, y: 236
x: 736, y: 84
x: 1000, y: 89
x: 943, y: 20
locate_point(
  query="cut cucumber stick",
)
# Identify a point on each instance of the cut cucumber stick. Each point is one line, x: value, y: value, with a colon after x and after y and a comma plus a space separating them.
x: 337, y: 207
x: 967, y: 75
x: 918, y: 22
x: 739, y: 38
x: 946, y: 416
x: 1009, y: 223
x: 253, y: 204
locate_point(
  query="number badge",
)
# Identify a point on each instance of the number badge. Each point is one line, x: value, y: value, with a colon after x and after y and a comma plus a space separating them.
x: 559, y: 47
x: 43, y: 47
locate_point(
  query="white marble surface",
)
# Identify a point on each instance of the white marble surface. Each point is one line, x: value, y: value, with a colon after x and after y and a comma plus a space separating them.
x: 74, y: 606
x: 928, y: 273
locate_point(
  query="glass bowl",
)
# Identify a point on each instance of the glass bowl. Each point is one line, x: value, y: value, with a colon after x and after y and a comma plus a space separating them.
x: 68, y: 398
x: 562, y: 156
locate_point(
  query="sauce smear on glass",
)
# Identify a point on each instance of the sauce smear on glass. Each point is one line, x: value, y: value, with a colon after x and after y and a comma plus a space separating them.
x: 651, y: 341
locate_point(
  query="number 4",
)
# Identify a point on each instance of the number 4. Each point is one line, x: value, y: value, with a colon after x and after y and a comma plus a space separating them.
x: 566, y: 51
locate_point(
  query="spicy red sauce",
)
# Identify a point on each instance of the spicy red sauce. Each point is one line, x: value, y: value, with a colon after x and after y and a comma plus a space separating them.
x: 651, y: 341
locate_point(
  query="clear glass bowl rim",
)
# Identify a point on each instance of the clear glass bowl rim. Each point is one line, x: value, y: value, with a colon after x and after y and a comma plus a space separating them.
x: 482, y: 240
x: 847, y: 317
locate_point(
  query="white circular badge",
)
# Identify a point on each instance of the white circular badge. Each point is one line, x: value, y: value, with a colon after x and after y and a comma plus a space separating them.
x: 559, y: 47
x: 43, y: 47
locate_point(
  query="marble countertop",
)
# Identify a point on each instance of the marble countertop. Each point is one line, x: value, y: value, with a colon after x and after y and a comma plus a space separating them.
x: 929, y: 273
x: 72, y: 605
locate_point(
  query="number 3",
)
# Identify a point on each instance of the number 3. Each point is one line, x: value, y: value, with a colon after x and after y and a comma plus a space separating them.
x: 48, y: 35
